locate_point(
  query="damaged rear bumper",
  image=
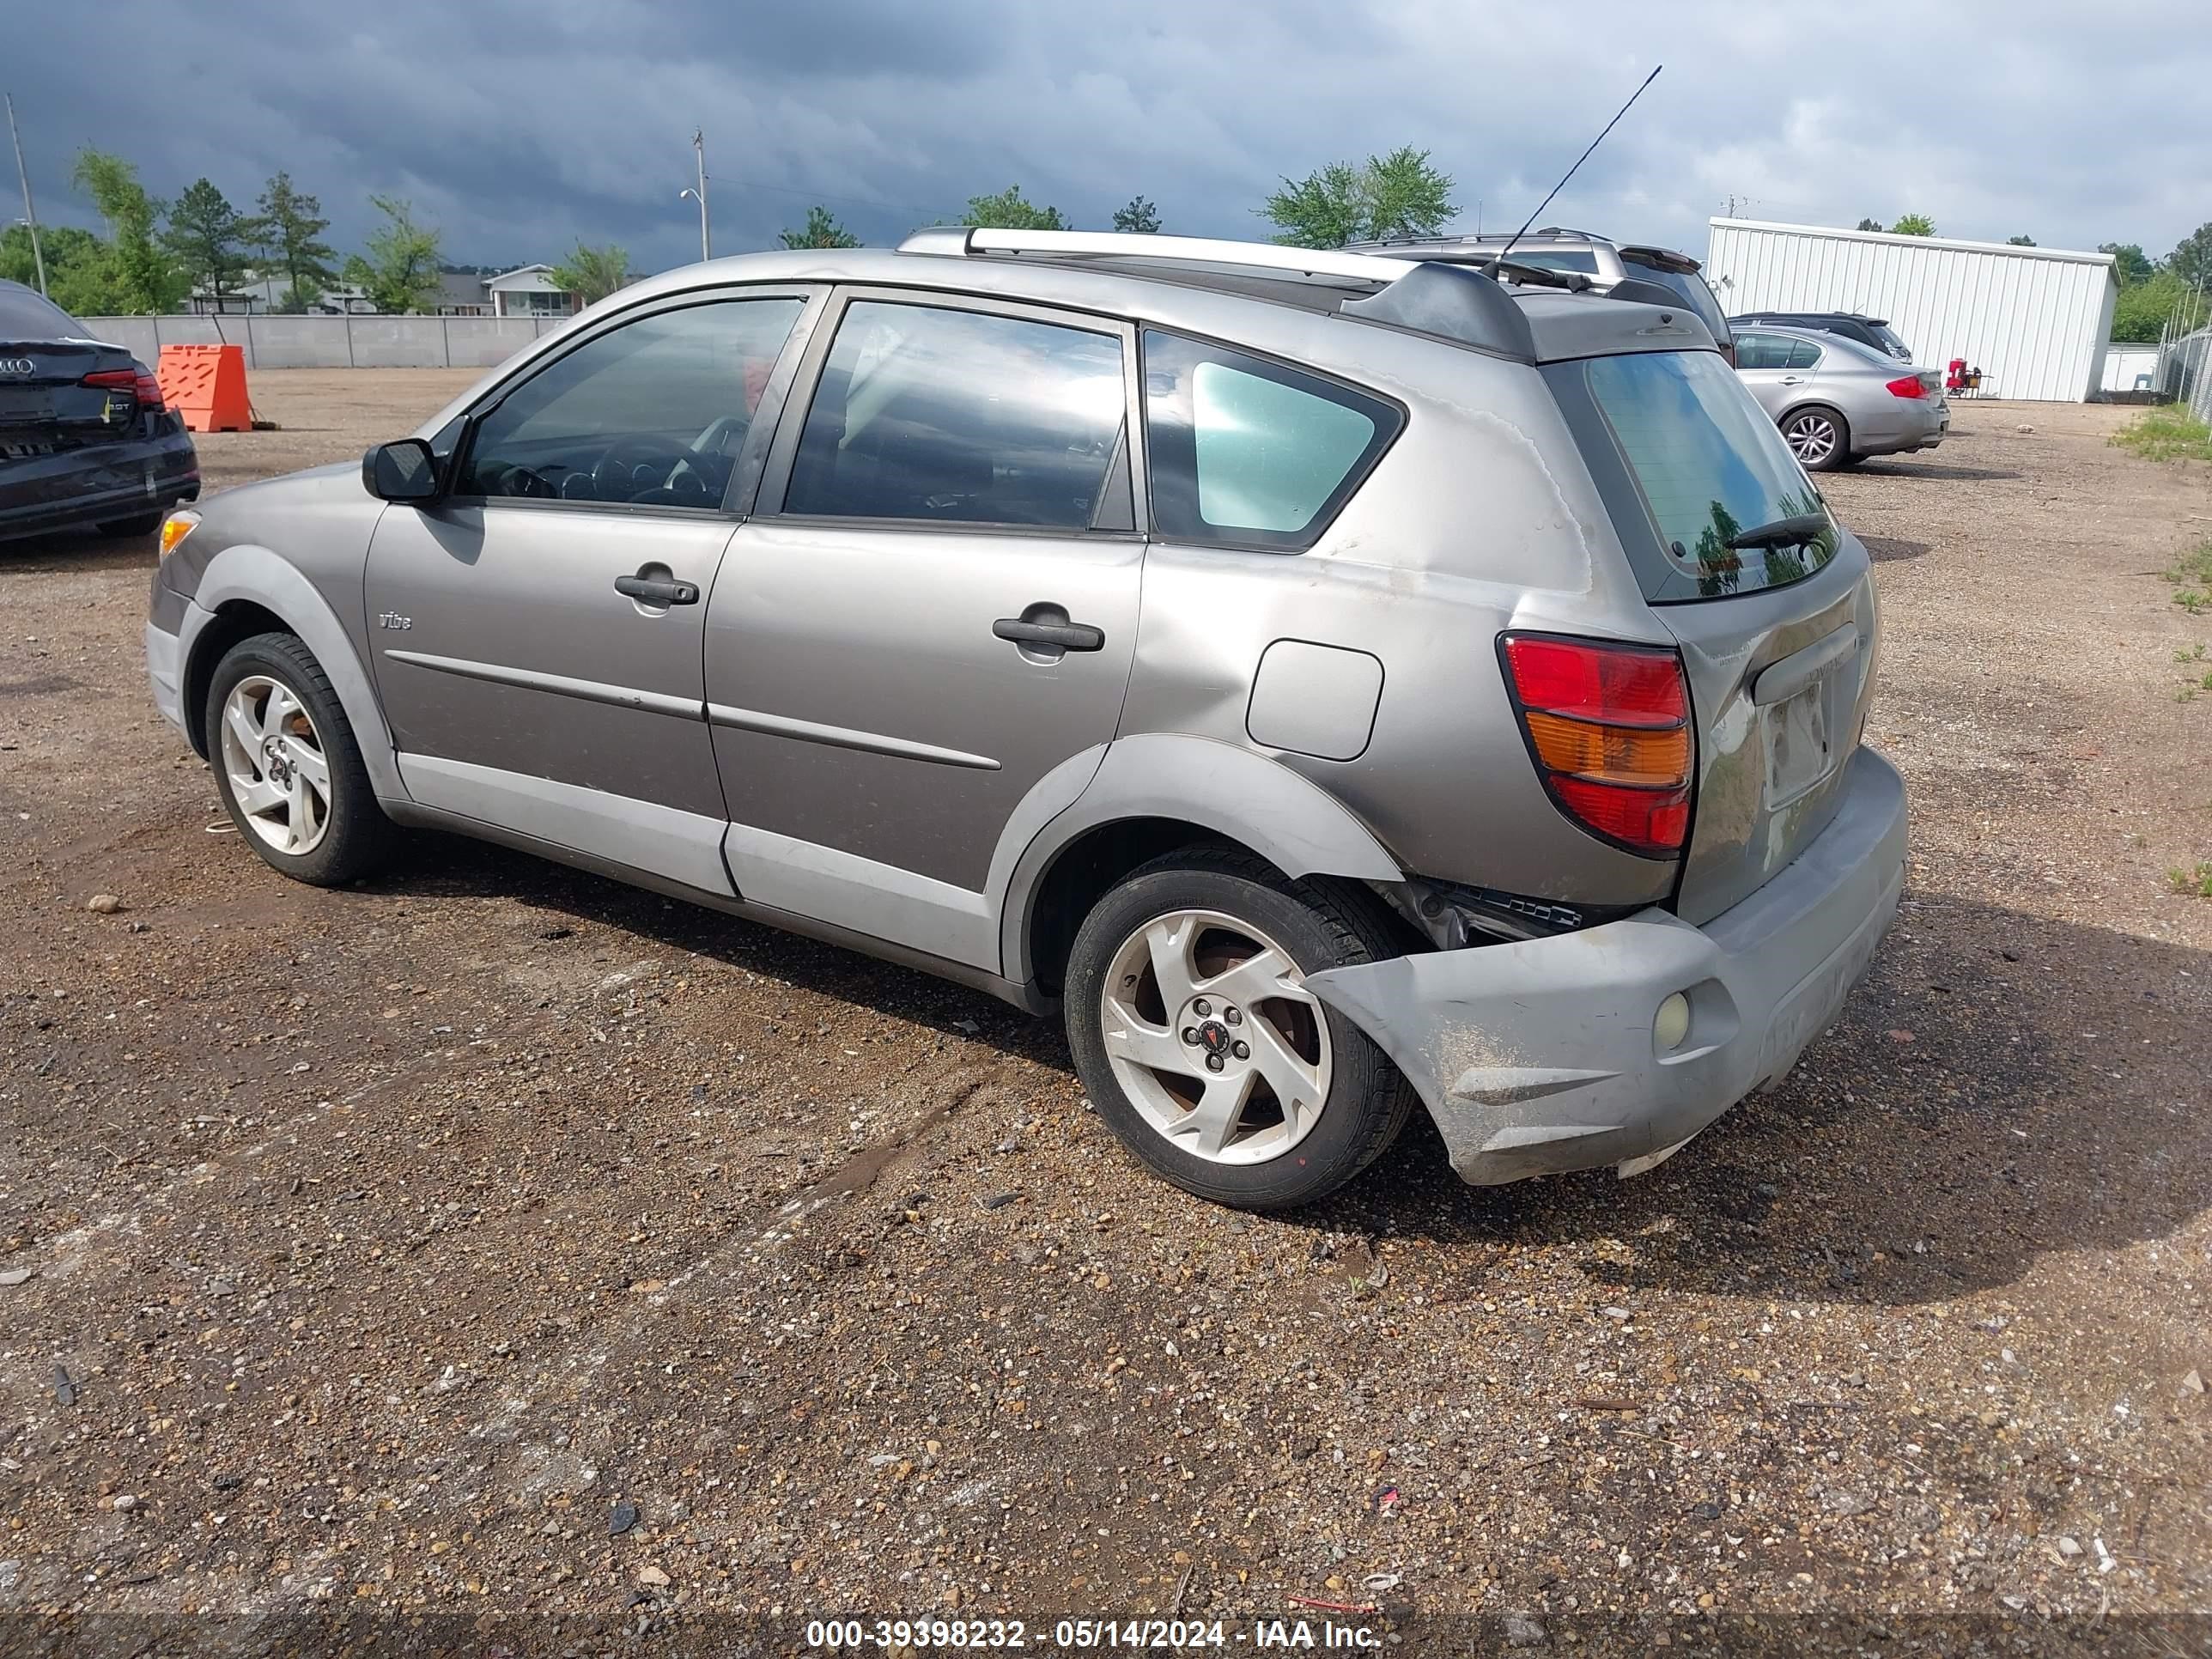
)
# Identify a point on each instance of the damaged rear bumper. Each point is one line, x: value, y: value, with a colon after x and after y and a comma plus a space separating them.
x: 1538, y: 1057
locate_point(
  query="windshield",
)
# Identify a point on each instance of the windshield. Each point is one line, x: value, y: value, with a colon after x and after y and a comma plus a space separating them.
x: 1711, y: 468
x: 1551, y: 258
x: 1692, y: 288
x: 25, y: 316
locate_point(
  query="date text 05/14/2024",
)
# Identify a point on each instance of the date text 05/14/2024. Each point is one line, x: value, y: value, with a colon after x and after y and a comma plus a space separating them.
x: 1087, y: 1635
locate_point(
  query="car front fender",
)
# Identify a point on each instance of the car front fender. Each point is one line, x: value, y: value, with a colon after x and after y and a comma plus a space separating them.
x: 246, y: 574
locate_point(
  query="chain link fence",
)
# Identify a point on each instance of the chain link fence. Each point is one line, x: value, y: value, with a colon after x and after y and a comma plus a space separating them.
x: 2184, y: 372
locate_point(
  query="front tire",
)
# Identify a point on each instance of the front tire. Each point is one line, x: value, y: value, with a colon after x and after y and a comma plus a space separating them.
x: 1192, y: 1029
x: 288, y: 767
x: 1819, y: 437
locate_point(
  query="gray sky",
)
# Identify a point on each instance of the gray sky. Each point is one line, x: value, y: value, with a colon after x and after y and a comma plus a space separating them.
x: 518, y: 128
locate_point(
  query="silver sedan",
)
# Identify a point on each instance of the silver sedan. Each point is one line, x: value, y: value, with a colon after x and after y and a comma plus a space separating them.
x: 1837, y: 402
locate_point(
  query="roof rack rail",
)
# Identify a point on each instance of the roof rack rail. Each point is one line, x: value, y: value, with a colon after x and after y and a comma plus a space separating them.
x: 1186, y: 250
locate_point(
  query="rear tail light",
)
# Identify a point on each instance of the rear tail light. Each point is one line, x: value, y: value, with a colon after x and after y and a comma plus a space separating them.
x: 138, y: 381
x: 1909, y: 386
x: 1609, y: 728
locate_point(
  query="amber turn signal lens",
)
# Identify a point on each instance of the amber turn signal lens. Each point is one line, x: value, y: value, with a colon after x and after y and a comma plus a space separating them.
x: 1647, y: 758
x: 174, y: 528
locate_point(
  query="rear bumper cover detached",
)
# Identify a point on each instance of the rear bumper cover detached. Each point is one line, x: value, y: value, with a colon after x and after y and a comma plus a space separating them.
x: 1538, y: 1057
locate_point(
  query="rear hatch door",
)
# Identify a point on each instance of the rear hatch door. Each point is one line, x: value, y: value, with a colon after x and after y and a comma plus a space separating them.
x: 1772, y: 602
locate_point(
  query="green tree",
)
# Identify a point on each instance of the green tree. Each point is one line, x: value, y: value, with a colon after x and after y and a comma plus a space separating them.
x: 1139, y: 216
x: 399, y: 270
x: 1398, y: 194
x: 820, y: 230
x: 1913, y: 224
x: 141, y: 277
x: 1869, y: 224
x: 2130, y: 263
x: 592, y: 273
x: 79, y: 267
x: 2141, y: 311
x: 1011, y: 210
x: 291, y: 222
x: 210, y: 239
x: 2192, y: 260
x: 2020, y: 241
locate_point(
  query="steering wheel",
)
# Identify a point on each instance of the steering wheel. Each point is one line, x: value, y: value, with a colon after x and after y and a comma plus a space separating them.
x: 715, y: 439
x: 630, y: 466
x: 521, y: 481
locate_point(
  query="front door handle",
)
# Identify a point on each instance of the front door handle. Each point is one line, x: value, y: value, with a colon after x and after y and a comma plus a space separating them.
x: 657, y: 590
x: 1066, y: 636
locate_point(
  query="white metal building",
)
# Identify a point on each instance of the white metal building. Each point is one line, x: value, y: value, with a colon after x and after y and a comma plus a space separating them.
x: 2034, y: 320
x: 2131, y: 366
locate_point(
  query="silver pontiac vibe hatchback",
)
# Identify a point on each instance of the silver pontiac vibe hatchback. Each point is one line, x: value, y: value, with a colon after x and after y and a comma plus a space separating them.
x: 1327, y: 679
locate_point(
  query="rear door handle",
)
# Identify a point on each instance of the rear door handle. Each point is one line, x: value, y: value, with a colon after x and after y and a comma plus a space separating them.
x: 1067, y: 635
x: 655, y: 590
x: 1791, y: 379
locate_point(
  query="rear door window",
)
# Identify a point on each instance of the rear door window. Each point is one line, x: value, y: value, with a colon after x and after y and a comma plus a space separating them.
x: 1761, y: 351
x: 1705, y: 464
x: 1803, y: 354
x: 1248, y: 453
x: 939, y: 415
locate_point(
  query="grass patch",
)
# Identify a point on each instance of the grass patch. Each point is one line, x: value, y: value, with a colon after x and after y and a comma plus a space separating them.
x: 2191, y: 576
x: 2196, y: 883
x: 2166, y: 432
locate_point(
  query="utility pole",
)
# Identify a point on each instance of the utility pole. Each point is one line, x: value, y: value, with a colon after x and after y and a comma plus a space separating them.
x: 706, y: 240
x: 30, y: 214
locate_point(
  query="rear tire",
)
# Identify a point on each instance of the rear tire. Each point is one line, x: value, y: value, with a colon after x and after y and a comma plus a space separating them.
x: 1228, y: 941
x: 288, y: 767
x: 1817, y: 436
x: 144, y: 524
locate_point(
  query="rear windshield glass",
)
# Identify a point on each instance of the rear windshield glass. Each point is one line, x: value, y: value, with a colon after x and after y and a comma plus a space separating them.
x: 1888, y: 338
x: 1709, y: 465
x: 1552, y: 259
x: 26, y: 316
x: 1693, y: 291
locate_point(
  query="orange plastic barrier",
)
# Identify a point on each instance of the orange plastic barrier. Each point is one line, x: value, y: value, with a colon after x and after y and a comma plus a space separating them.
x: 206, y: 384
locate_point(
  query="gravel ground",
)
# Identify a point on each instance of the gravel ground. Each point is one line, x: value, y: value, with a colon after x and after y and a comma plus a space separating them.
x: 495, y: 1241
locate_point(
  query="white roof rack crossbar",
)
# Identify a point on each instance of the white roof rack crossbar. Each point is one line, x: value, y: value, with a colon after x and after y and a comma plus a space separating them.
x: 1186, y: 250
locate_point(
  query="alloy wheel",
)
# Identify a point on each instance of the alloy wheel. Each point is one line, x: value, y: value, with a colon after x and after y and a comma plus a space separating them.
x: 274, y: 758
x: 1811, y: 438
x: 1214, y: 1038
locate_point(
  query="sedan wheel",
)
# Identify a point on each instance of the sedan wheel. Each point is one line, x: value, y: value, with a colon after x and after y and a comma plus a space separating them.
x: 1214, y: 1038
x: 273, y: 756
x: 1815, y: 438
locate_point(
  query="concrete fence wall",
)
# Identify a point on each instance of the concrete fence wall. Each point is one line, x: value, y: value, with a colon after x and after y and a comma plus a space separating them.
x: 333, y: 342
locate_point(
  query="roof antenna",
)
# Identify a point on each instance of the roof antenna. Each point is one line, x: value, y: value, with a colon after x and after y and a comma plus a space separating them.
x: 1492, y: 270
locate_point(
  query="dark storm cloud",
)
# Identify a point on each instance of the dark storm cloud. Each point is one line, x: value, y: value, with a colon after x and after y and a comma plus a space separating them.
x: 520, y: 127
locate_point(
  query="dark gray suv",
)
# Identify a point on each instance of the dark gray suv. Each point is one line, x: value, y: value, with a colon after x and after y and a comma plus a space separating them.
x: 1329, y: 680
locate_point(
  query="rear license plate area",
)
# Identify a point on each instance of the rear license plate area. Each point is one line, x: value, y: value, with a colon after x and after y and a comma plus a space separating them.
x: 1799, y: 750
x: 26, y: 406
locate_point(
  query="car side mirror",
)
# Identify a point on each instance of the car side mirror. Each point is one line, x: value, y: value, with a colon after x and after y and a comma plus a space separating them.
x: 404, y: 470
